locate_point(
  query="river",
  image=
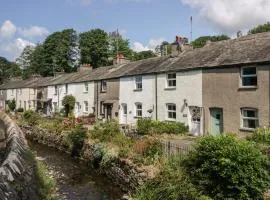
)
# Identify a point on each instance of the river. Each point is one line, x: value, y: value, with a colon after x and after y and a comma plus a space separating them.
x: 75, y: 180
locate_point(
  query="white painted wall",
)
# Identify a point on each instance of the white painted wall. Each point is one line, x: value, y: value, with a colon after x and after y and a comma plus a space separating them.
x: 129, y: 96
x: 78, y: 91
x: 188, y: 87
x: 24, y: 97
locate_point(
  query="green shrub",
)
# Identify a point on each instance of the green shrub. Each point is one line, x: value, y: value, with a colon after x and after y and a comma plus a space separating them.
x: 225, y: 168
x: 148, y: 126
x: 31, y: 117
x: 20, y: 110
x: 69, y: 102
x: 12, y: 104
x: 76, y: 140
x: 261, y: 136
x: 124, y: 143
x: 105, y: 131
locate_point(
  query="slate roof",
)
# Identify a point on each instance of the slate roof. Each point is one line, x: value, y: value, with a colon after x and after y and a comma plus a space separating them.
x: 244, y: 50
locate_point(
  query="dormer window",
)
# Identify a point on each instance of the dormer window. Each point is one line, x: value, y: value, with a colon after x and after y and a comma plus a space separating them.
x: 249, y: 77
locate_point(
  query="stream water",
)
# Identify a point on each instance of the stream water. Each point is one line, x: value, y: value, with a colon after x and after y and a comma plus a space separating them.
x: 75, y: 180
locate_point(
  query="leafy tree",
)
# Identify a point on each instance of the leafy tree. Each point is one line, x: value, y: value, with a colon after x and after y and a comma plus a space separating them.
x: 8, y: 69
x: 260, y: 29
x: 94, y: 47
x: 24, y: 60
x: 201, y: 41
x: 226, y: 168
x: 69, y: 103
x: 12, y: 104
x: 143, y: 55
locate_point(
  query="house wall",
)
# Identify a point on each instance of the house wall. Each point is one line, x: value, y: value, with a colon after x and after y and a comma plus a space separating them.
x: 78, y: 91
x: 188, y: 89
x: 129, y: 96
x: 27, y: 95
x: 221, y: 89
x: 110, y: 96
x: 3, y: 96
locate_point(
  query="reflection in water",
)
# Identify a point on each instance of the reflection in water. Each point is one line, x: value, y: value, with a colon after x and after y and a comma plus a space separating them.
x: 74, y: 179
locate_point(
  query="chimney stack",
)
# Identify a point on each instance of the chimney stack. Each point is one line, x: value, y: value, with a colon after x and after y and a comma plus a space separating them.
x: 85, y: 67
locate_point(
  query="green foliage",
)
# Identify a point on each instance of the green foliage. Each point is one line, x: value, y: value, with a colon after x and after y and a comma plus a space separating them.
x: 94, y: 46
x: 225, y: 168
x: 76, y: 140
x: 121, y: 45
x: 171, y: 184
x: 260, y: 29
x: 143, y: 55
x: 69, y: 102
x: 148, y: 126
x: 261, y: 136
x: 31, y: 117
x: 12, y: 104
x: 201, y: 41
x: 46, y: 186
x: 20, y: 110
x: 8, y: 69
x: 104, y: 132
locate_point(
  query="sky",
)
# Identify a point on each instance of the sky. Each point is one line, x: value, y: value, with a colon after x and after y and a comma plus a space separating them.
x: 146, y: 23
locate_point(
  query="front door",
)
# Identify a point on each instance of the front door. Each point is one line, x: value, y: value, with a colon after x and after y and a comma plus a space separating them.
x: 216, y: 121
x: 108, y: 111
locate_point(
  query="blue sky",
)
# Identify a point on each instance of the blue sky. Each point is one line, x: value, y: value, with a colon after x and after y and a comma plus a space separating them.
x: 144, y: 22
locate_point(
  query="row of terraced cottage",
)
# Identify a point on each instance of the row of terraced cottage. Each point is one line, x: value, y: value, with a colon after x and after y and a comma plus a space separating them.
x: 222, y: 87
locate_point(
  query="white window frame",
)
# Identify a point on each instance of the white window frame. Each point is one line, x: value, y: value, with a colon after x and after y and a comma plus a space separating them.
x: 256, y: 119
x: 138, y: 110
x: 168, y: 80
x: 170, y: 111
x: 86, y: 88
x: 103, y: 89
x: 138, y: 83
x: 124, y: 107
x: 86, y: 106
x: 242, y: 76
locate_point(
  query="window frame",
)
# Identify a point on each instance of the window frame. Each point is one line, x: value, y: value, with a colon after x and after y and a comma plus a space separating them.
x: 102, y: 86
x: 86, y: 105
x: 124, y: 107
x: 86, y: 88
x: 171, y: 79
x: 138, y: 83
x: 171, y: 111
x: 242, y: 118
x: 242, y: 76
x: 138, y: 110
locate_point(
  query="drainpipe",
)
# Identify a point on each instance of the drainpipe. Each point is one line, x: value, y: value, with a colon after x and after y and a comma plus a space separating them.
x: 97, y: 99
x: 156, y: 96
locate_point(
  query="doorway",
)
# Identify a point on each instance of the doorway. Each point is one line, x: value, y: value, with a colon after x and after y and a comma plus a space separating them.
x: 108, y: 111
x: 195, y: 117
x: 216, y: 115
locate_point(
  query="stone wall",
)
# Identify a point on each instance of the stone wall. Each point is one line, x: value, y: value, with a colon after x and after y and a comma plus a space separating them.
x: 127, y: 175
x: 17, y: 168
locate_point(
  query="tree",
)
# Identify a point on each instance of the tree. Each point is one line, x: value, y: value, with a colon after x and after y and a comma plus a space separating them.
x: 94, y: 47
x: 8, y: 69
x: 24, y: 60
x: 260, y: 29
x: 12, y: 104
x: 143, y: 55
x: 69, y: 102
x: 201, y: 41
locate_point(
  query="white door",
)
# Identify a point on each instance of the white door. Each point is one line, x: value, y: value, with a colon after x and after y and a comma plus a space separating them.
x: 77, y: 109
x: 124, y: 113
x: 195, y: 117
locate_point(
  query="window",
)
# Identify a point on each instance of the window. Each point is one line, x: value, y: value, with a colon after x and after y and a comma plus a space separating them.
x: 55, y: 90
x: 103, y: 86
x: 249, y: 76
x: 102, y: 108
x: 85, y: 87
x: 66, y: 88
x: 171, y: 80
x: 124, y: 107
x: 249, y: 118
x: 171, y: 111
x: 86, y: 106
x: 138, y: 83
x: 138, y: 107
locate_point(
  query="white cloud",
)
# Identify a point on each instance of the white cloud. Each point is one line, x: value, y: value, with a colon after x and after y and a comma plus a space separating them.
x: 7, y: 30
x: 232, y: 15
x: 34, y: 31
x: 137, y: 46
x: 15, y: 47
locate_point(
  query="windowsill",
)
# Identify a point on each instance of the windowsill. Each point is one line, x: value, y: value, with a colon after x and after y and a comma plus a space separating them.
x: 137, y: 90
x: 136, y: 117
x: 247, y: 129
x: 103, y: 91
x: 85, y: 92
x: 170, y: 88
x: 248, y: 88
